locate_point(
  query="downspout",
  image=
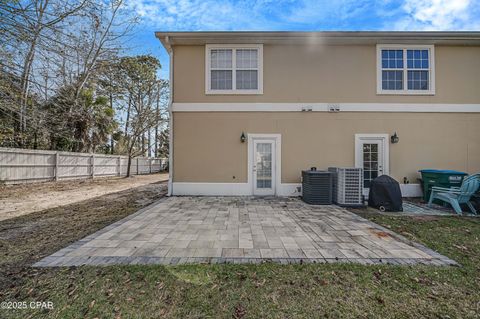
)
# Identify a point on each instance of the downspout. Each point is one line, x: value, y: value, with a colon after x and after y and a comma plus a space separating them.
x: 170, y: 112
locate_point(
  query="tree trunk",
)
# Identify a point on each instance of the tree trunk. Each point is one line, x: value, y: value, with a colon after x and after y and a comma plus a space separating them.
x: 27, y: 68
x: 149, y: 143
x: 35, y: 140
x: 128, y: 115
x: 129, y: 163
x: 157, y: 120
x: 111, y: 135
x: 52, y: 142
x: 156, y: 141
x: 130, y: 152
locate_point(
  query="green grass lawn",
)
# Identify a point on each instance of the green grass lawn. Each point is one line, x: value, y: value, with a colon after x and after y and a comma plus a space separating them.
x: 270, y: 290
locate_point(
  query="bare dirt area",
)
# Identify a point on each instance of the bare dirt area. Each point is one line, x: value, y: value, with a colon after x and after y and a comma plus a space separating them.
x: 18, y: 200
x: 27, y: 238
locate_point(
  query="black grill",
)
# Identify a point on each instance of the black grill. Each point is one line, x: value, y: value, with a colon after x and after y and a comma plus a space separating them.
x: 317, y: 187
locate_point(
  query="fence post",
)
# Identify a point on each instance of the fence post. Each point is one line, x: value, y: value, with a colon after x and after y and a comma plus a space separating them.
x: 119, y: 165
x: 56, y: 165
x: 150, y: 161
x: 93, y: 165
x: 138, y: 173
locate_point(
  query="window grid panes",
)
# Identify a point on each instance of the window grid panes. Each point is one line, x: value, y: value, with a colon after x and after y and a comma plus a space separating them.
x: 370, y: 163
x: 234, y: 69
x: 247, y: 58
x: 221, y: 80
x: 221, y: 76
x: 405, y: 69
x: 392, y: 59
x: 417, y: 59
x: 247, y: 80
x: 221, y: 59
x: 246, y: 69
x: 264, y: 165
x: 392, y: 80
x: 418, y: 80
x: 417, y: 65
x: 392, y: 69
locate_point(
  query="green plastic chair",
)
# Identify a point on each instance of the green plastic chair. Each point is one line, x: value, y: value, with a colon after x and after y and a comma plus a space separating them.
x: 457, y: 195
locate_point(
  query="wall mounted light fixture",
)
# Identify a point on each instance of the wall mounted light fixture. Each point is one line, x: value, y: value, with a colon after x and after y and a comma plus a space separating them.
x: 394, y: 138
x: 242, y: 138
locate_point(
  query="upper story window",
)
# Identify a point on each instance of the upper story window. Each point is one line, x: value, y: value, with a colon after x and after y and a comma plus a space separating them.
x: 405, y: 69
x: 234, y: 69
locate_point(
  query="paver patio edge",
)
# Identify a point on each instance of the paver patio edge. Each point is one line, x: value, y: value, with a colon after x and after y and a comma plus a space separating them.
x: 407, y: 241
x: 99, y: 232
x: 348, y: 237
x: 132, y: 260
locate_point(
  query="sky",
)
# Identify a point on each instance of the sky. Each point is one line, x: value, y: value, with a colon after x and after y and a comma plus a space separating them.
x: 290, y: 15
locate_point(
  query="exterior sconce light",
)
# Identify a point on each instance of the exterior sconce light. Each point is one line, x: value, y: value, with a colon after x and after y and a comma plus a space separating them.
x: 242, y: 138
x: 394, y: 138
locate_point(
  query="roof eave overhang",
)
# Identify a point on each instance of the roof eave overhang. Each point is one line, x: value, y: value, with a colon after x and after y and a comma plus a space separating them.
x: 344, y: 38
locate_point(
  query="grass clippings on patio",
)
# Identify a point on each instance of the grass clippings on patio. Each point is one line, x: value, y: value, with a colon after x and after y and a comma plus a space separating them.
x: 267, y: 290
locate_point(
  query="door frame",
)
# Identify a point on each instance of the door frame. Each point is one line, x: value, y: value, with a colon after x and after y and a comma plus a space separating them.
x: 264, y: 191
x: 277, y: 165
x: 383, y: 138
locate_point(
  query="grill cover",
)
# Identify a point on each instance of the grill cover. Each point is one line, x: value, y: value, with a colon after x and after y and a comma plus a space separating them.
x: 385, y: 194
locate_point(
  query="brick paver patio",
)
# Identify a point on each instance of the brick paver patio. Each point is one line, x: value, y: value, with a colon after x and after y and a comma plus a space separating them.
x: 242, y: 230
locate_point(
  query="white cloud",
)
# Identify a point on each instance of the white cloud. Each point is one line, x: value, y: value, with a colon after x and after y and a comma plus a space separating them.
x: 246, y: 14
x: 198, y: 14
x: 308, y: 14
x: 440, y: 15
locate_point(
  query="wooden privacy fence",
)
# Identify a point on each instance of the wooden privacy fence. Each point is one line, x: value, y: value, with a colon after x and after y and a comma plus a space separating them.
x: 21, y: 165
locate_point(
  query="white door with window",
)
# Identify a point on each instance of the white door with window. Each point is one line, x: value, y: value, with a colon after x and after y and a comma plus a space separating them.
x: 264, y: 167
x: 371, y: 154
x: 264, y: 163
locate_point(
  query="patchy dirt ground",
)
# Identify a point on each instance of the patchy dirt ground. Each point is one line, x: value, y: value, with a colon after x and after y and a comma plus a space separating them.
x: 18, y: 200
x: 30, y: 237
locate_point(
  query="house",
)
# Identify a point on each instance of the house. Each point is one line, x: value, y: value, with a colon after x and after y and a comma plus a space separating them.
x: 251, y: 110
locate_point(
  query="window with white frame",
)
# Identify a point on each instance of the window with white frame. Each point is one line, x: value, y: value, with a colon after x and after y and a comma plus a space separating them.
x: 234, y: 69
x: 405, y: 69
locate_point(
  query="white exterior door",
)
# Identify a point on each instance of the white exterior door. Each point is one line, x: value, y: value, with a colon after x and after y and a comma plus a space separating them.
x: 371, y: 154
x: 264, y: 167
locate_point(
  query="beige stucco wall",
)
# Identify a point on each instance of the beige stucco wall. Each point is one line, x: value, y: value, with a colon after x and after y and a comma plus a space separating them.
x: 207, y: 146
x: 330, y: 74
